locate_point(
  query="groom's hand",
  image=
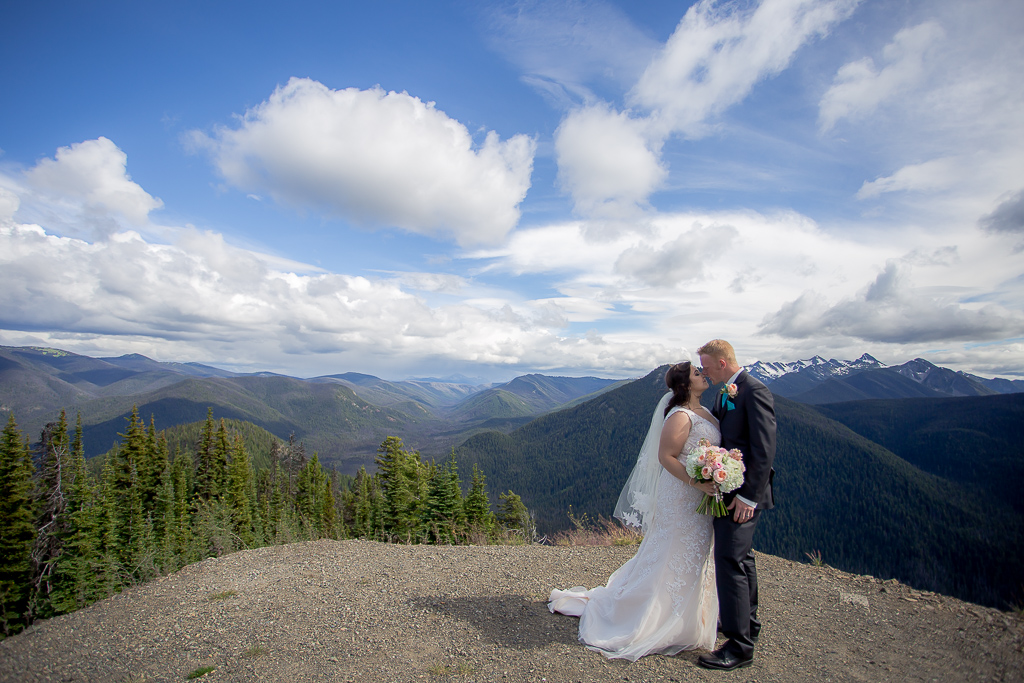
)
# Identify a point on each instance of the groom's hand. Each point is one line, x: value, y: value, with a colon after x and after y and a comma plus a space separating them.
x: 741, y: 512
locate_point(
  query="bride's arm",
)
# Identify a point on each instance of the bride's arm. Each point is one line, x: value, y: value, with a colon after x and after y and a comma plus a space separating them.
x: 673, y: 437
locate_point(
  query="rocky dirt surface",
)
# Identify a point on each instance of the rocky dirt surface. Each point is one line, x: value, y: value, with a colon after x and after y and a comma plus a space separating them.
x: 363, y: 611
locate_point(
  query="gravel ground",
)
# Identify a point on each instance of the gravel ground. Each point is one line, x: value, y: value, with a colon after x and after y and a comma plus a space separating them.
x: 364, y: 611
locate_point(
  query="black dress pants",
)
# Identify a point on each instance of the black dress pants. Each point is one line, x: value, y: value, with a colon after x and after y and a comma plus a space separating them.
x: 736, y: 579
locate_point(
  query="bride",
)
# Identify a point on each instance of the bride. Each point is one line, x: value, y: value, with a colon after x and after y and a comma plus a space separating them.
x: 663, y: 600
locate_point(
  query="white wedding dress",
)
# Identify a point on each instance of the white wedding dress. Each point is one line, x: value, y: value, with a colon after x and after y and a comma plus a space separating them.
x: 663, y: 600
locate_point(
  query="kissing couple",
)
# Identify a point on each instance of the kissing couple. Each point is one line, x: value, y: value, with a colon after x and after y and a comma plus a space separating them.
x: 693, y: 574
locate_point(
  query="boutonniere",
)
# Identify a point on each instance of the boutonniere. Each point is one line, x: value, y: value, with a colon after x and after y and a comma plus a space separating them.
x: 728, y: 393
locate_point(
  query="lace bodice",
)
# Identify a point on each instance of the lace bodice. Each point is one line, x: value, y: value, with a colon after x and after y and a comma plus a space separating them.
x: 700, y: 428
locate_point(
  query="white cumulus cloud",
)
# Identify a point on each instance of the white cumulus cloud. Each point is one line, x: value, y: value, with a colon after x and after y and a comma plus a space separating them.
x: 377, y: 158
x: 606, y: 161
x: 92, y: 173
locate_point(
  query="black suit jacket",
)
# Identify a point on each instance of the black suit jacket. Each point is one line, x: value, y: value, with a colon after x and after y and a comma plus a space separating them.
x: 750, y: 427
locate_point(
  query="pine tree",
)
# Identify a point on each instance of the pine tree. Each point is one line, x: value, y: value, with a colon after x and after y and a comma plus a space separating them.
x: 17, y: 531
x: 111, y: 523
x: 365, y: 506
x: 164, y: 522
x: 206, y: 474
x: 150, y: 466
x: 444, y: 516
x: 241, y: 492
x: 221, y: 454
x: 281, y: 528
x: 54, y: 476
x: 328, y: 511
x: 309, y: 498
x: 477, y: 506
x: 160, y: 507
x: 403, y: 482
x: 75, y: 580
x: 183, y: 542
x: 141, y: 550
x: 134, y: 456
x: 513, y: 516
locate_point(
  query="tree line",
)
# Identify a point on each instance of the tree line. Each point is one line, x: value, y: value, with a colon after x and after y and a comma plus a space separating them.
x: 71, y: 534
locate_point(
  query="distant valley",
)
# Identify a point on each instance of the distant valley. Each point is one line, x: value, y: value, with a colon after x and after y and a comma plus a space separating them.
x: 342, y: 417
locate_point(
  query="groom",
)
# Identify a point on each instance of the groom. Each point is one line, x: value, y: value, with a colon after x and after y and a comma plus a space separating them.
x: 746, y: 416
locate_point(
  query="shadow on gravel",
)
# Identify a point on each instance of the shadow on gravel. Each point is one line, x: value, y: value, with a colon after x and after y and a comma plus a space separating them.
x: 513, y: 621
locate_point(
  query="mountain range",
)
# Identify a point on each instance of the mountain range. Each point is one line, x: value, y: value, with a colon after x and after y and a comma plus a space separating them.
x: 895, y: 471
x: 342, y: 417
x: 820, y: 381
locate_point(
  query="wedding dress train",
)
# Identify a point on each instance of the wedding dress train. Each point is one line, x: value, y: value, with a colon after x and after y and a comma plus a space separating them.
x: 663, y: 600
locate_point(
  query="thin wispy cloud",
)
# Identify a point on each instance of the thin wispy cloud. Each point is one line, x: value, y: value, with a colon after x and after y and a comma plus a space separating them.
x: 566, y: 48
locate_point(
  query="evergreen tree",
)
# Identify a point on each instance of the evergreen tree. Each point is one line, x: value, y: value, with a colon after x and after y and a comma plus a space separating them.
x: 206, y: 474
x: 221, y: 454
x: 366, y: 506
x: 75, y: 579
x: 111, y: 523
x: 141, y: 551
x: 184, y: 547
x: 403, y: 483
x: 513, y: 516
x: 134, y: 455
x: 17, y: 531
x: 241, y: 492
x: 150, y: 467
x: 333, y: 523
x: 164, y: 522
x: 477, y: 505
x: 162, y: 502
x: 445, y: 516
x: 54, y: 476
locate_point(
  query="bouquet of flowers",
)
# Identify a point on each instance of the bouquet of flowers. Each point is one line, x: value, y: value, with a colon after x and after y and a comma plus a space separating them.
x: 721, y: 467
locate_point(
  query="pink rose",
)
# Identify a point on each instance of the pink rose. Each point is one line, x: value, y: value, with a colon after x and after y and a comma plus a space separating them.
x: 706, y: 472
x: 731, y: 388
x: 720, y: 476
x: 701, y: 459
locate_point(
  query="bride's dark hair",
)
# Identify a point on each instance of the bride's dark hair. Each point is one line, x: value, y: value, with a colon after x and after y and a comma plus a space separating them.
x: 677, y: 379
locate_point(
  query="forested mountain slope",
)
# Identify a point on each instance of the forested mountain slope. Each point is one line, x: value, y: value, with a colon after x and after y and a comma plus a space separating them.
x: 972, y: 440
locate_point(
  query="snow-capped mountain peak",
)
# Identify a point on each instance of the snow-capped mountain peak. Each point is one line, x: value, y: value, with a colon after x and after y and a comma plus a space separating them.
x: 768, y: 371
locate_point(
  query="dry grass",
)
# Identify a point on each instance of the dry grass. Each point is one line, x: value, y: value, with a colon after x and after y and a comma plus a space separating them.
x: 815, y: 558
x: 603, y: 531
x: 438, y: 670
x: 255, y: 651
x: 223, y: 595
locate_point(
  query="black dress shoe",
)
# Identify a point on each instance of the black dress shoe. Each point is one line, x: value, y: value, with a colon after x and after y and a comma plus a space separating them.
x: 723, y: 660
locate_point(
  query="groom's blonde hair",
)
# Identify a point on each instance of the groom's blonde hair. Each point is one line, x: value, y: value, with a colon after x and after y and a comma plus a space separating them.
x: 718, y: 348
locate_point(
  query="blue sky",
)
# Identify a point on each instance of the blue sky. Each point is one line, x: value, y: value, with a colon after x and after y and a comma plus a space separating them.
x: 422, y: 189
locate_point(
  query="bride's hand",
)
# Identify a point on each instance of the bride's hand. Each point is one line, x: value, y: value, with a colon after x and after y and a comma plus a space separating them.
x: 705, y: 486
